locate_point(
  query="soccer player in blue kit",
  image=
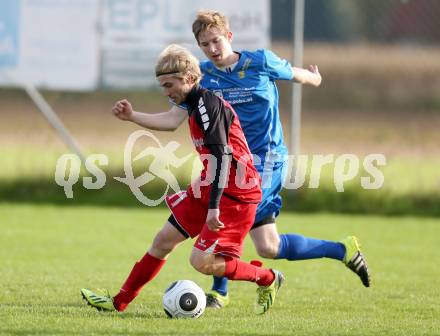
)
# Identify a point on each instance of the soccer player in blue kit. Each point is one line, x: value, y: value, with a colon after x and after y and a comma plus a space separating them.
x: 246, y: 79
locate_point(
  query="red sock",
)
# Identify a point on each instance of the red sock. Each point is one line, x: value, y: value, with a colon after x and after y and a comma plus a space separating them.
x: 143, y: 272
x: 239, y: 270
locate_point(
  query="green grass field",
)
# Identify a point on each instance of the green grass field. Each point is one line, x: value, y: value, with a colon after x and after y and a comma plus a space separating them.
x: 49, y: 252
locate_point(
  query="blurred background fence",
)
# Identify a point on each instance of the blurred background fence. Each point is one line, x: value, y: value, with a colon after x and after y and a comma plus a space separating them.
x: 380, y: 62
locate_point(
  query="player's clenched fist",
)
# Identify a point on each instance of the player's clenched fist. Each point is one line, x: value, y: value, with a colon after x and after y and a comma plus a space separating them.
x: 123, y: 109
x: 316, y: 80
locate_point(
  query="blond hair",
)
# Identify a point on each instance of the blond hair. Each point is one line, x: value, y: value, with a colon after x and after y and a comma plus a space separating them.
x: 207, y: 19
x: 178, y: 61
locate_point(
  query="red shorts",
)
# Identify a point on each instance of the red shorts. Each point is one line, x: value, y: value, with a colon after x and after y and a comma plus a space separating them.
x: 190, y: 214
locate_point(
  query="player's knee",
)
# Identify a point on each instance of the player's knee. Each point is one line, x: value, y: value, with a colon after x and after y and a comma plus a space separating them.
x: 267, y: 249
x: 200, y: 264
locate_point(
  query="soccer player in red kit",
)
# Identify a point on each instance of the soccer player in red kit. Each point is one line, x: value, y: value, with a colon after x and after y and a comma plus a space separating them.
x: 219, y: 207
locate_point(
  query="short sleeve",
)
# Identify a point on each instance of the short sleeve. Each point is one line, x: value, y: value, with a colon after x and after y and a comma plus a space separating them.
x: 276, y: 67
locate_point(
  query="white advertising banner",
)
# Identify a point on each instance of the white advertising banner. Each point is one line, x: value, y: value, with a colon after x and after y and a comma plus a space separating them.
x: 53, y: 44
x: 85, y: 44
x: 135, y: 31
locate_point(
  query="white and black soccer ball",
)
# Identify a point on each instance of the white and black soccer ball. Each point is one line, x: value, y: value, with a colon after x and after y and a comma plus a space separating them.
x: 184, y: 299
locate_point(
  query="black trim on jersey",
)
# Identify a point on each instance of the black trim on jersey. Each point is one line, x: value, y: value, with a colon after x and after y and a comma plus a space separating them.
x: 215, y: 120
x: 174, y: 223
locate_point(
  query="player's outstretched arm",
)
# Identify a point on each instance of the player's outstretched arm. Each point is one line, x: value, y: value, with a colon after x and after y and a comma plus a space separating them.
x: 309, y: 76
x: 164, y: 121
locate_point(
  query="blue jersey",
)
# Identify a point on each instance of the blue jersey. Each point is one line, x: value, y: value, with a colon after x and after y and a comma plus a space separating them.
x: 250, y: 89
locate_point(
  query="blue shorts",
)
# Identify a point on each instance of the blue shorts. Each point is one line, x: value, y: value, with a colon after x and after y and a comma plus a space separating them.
x: 271, y: 185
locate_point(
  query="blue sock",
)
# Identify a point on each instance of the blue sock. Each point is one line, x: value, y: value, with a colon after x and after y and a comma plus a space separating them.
x: 296, y: 247
x: 220, y: 285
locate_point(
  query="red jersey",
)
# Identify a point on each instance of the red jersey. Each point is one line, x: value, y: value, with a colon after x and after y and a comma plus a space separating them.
x: 216, y: 133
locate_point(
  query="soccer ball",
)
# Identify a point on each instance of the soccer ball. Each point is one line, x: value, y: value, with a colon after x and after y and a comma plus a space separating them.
x: 184, y: 299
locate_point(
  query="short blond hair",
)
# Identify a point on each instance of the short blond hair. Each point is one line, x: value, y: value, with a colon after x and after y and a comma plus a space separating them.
x: 178, y: 61
x: 208, y: 19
